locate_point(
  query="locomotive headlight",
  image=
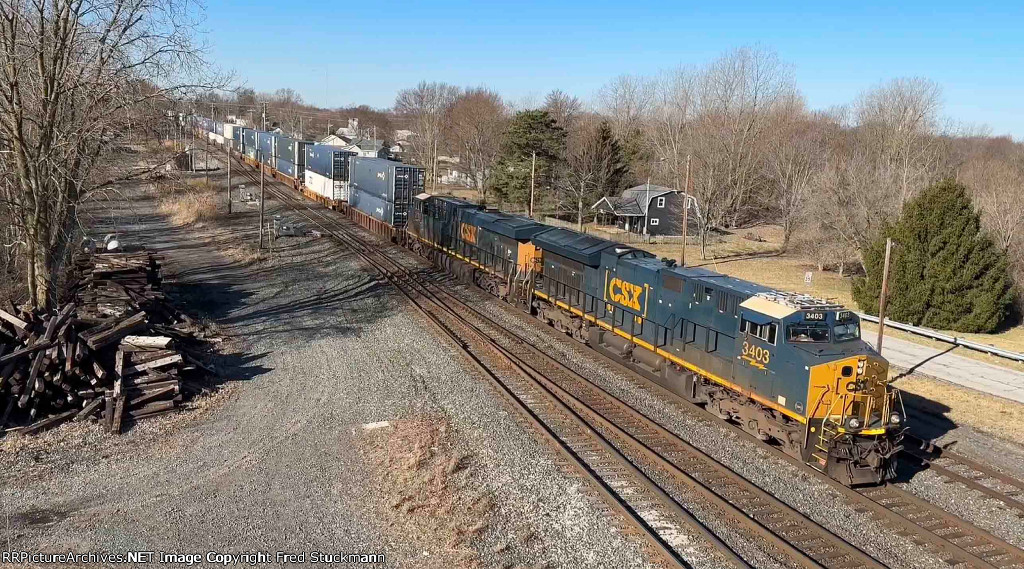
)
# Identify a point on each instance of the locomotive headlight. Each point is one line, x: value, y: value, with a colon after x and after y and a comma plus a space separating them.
x: 853, y: 423
x: 895, y: 419
x: 860, y: 367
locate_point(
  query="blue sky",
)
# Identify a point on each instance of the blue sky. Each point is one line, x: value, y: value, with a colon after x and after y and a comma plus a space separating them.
x: 339, y: 53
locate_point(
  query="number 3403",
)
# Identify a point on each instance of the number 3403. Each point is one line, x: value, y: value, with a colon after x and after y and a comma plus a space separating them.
x: 756, y: 353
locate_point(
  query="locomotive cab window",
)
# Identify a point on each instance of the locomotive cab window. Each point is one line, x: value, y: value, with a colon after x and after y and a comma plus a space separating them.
x: 766, y: 332
x: 847, y: 331
x: 809, y: 333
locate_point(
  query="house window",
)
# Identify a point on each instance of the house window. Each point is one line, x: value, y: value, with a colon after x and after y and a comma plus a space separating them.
x: 661, y: 202
x: 654, y: 221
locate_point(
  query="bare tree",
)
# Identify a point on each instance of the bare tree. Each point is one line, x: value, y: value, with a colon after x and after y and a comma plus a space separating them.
x: 427, y: 110
x: 478, y: 119
x: 625, y: 100
x: 898, y: 121
x: 670, y: 124
x: 795, y: 154
x: 72, y: 72
x: 564, y: 108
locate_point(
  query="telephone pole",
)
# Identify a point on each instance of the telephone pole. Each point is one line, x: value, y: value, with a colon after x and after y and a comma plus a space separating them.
x: 686, y: 212
x: 259, y: 157
x: 264, y: 117
x: 533, y: 176
x: 229, y: 180
x: 434, y: 169
x: 881, y: 298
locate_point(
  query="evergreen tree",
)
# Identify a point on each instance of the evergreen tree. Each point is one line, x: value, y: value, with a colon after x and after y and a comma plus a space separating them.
x: 613, y: 168
x: 528, y: 132
x: 945, y: 273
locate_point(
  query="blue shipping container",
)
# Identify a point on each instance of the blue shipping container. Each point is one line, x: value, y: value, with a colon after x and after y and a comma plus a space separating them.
x: 286, y: 167
x: 286, y: 148
x: 376, y: 208
x: 328, y: 161
x: 249, y: 139
x: 391, y: 181
x: 265, y: 144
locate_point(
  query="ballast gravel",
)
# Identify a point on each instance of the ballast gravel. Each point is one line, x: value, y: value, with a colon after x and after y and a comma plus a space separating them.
x: 316, y: 348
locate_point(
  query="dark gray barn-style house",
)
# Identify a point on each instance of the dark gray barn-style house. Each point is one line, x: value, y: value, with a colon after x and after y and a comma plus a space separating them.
x: 658, y: 210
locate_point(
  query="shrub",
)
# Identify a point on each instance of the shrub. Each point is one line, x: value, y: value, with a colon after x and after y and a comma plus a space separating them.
x: 945, y: 272
x: 193, y: 203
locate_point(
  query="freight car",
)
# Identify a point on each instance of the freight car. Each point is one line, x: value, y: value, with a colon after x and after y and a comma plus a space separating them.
x: 788, y: 368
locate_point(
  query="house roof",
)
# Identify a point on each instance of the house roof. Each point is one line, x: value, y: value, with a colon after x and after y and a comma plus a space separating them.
x: 633, y: 202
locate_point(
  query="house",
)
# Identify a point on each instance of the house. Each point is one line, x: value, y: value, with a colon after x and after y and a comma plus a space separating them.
x: 334, y: 140
x: 361, y: 146
x: 645, y: 209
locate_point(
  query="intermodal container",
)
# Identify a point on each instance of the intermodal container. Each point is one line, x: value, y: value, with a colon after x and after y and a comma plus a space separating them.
x: 249, y: 140
x: 328, y: 161
x: 286, y: 167
x: 377, y: 208
x: 264, y: 143
x: 285, y: 148
x: 336, y: 190
x: 388, y: 180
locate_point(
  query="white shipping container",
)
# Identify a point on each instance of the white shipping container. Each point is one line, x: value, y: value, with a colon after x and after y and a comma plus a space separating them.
x: 326, y: 187
x: 229, y: 130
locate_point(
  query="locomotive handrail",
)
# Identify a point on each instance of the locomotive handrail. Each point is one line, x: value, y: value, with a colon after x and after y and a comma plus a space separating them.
x: 934, y: 335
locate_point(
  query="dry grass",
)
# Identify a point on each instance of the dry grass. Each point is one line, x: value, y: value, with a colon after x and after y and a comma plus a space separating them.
x: 429, y: 488
x: 188, y: 204
x: 995, y: 416
x: 244, y: 254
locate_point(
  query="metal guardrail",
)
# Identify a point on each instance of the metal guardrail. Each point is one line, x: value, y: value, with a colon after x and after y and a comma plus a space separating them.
x: 928, y: 333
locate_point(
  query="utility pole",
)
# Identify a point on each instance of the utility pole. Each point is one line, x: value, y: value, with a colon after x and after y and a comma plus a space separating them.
x: 301, y: 135
x: 264, y: 117
x: 881, y: 298
x: 229, y: 180
x: 533, y: 176
x: 434, y: 169
x: 647, y: 208
x: 207, y: 160
x: 686, y: 212
x: 259, y: 157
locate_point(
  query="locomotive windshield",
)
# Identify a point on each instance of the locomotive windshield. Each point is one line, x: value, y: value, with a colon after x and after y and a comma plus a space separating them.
x: 812, y: 333
x: 848, y: 331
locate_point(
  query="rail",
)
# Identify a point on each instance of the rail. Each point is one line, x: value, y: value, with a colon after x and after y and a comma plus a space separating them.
x: 929, y: 333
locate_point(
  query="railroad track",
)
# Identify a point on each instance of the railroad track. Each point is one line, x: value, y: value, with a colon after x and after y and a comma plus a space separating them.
x: 957, y: 542
x: 975, y: 475
x: 790, y: 534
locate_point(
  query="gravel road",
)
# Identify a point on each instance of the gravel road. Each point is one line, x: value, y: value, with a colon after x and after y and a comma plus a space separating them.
x: 316, y: 348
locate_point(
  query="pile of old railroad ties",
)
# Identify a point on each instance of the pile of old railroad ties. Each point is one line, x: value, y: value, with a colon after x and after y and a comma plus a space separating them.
x: 116, y: 351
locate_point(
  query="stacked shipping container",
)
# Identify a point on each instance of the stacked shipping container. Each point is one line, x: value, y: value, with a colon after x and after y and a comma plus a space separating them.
x: 383, y: 189
x: 326, y: 171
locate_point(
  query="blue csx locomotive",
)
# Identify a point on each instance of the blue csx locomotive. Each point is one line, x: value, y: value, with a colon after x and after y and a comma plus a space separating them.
x: 789, y: 368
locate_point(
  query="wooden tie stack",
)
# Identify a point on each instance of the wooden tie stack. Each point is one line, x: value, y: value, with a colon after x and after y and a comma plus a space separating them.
x: 116, y: 351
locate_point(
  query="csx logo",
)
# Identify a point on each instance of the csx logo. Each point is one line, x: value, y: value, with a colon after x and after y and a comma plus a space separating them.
x: 382, y: 175
x: 626, y: 294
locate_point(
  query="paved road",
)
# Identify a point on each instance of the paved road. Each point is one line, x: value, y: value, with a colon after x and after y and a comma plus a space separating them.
x: 945, y: 364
